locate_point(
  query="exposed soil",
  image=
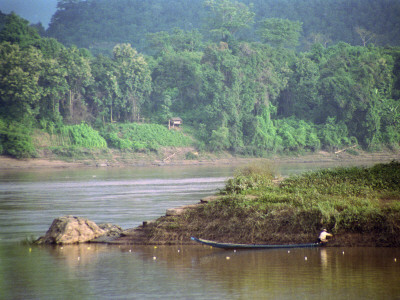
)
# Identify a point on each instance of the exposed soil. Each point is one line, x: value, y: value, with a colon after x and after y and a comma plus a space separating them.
x: 177, y: 157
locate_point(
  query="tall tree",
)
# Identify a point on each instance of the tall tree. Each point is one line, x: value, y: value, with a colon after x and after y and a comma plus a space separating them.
x: 105, y: 92
x: 366, y: 36
x: 78, y: 77
x: 20, y: 71
x: 134, y: 81
x: 280, y: 32
x: 227, y: 18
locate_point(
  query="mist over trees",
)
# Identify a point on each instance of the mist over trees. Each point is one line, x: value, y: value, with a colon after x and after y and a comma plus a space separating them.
x: 100, y: 24
x: 242, y: 78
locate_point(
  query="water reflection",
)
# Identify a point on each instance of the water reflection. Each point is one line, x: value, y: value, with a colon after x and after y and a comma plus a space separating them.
x: 196, y: 272
x: 200, y: 272
x: 324, y: 258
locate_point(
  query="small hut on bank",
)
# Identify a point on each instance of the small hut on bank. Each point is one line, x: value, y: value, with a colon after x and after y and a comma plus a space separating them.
x: 174, y: 123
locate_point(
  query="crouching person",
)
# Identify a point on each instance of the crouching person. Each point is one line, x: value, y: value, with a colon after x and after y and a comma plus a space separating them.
x: 323, y: 236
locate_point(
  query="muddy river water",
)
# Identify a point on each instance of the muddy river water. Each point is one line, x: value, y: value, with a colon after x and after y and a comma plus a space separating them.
x: 30, y: 200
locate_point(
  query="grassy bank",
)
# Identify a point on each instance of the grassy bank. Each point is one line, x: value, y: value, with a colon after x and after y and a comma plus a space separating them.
x: 360, y: 206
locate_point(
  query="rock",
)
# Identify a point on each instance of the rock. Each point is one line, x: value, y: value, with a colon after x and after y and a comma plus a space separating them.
x: 71, y: 230
x: 179, y: 210
x: 146, y: 223
x: 209, y: 199
x: 112, y: 232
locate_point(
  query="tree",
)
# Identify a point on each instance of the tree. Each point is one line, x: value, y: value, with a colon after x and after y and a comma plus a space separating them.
x: 365, y: 35
x: 178, y: 41
x: 280, y: 32
x: 20, y: 71
x: 317, y: 38
x: 17, y: 31
x: 105, y: 92
x: 354, y: 83
x: 63, y: 4
x: 54, y: 87
x: 301, y: 98
x: 78, y: 78
x: 134, y: 81
x: 227, y: 18
x: 177, y: 83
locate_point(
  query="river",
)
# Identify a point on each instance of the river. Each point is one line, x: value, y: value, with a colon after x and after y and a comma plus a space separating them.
x: 30, y: 200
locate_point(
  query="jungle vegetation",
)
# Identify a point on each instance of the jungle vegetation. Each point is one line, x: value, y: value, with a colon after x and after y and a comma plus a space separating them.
x: 243, y: 80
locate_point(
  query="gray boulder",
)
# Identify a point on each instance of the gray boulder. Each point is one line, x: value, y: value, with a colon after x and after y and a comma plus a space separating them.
x: 71, y: 230
x: 112, y: 232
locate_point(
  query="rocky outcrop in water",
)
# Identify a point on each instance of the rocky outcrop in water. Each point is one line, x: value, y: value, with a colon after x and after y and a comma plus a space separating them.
x: 72, y: 230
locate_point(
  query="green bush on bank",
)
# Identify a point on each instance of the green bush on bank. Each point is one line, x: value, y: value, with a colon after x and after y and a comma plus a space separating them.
x: 139, y: 137
x: 16, y: 140
x: 250, y: 177
x: 85, y: 136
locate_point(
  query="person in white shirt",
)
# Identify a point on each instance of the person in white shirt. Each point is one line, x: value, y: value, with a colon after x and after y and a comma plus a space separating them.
x: 323, y: 236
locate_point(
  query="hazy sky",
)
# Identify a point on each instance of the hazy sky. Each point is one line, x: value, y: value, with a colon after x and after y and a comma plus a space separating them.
x: 32, y: 10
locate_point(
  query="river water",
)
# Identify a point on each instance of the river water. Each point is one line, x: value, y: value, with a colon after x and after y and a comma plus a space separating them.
x: 30, y: 200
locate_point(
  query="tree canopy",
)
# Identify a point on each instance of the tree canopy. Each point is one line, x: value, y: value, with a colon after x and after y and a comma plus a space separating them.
x: 245, y: 95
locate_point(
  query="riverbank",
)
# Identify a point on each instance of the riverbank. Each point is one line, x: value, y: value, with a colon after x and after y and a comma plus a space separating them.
x: 177, y: 157
x: 360, y: 206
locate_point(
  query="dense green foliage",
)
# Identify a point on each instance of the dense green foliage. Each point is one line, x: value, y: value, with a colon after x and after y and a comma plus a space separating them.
x: 139, y: 137
x: 247, y: 97
x: 82, y: 136
x: 100, y: 24
x: 16, y: 140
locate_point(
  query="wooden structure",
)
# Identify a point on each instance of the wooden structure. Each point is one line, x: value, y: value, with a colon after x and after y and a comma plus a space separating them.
x: 174, y: 123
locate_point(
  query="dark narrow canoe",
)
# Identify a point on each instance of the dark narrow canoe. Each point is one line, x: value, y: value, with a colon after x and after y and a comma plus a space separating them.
x: 252, y: 246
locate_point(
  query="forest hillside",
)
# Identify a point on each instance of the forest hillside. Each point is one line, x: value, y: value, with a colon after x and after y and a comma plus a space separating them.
x: 100, y: 24
x: 242, y: 78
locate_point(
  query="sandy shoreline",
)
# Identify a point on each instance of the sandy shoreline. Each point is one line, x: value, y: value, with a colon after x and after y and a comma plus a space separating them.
x: 8, y: 163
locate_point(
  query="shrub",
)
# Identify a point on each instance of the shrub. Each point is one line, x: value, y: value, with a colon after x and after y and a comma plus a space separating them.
x: 139, y: 137
x: 250, y: 177
x: 16, y: 140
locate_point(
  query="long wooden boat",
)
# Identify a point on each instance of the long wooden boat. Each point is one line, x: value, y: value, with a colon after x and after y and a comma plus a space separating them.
x: 253, y: 246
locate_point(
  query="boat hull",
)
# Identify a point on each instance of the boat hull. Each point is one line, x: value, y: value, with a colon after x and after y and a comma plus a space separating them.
x: 253, y: 246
